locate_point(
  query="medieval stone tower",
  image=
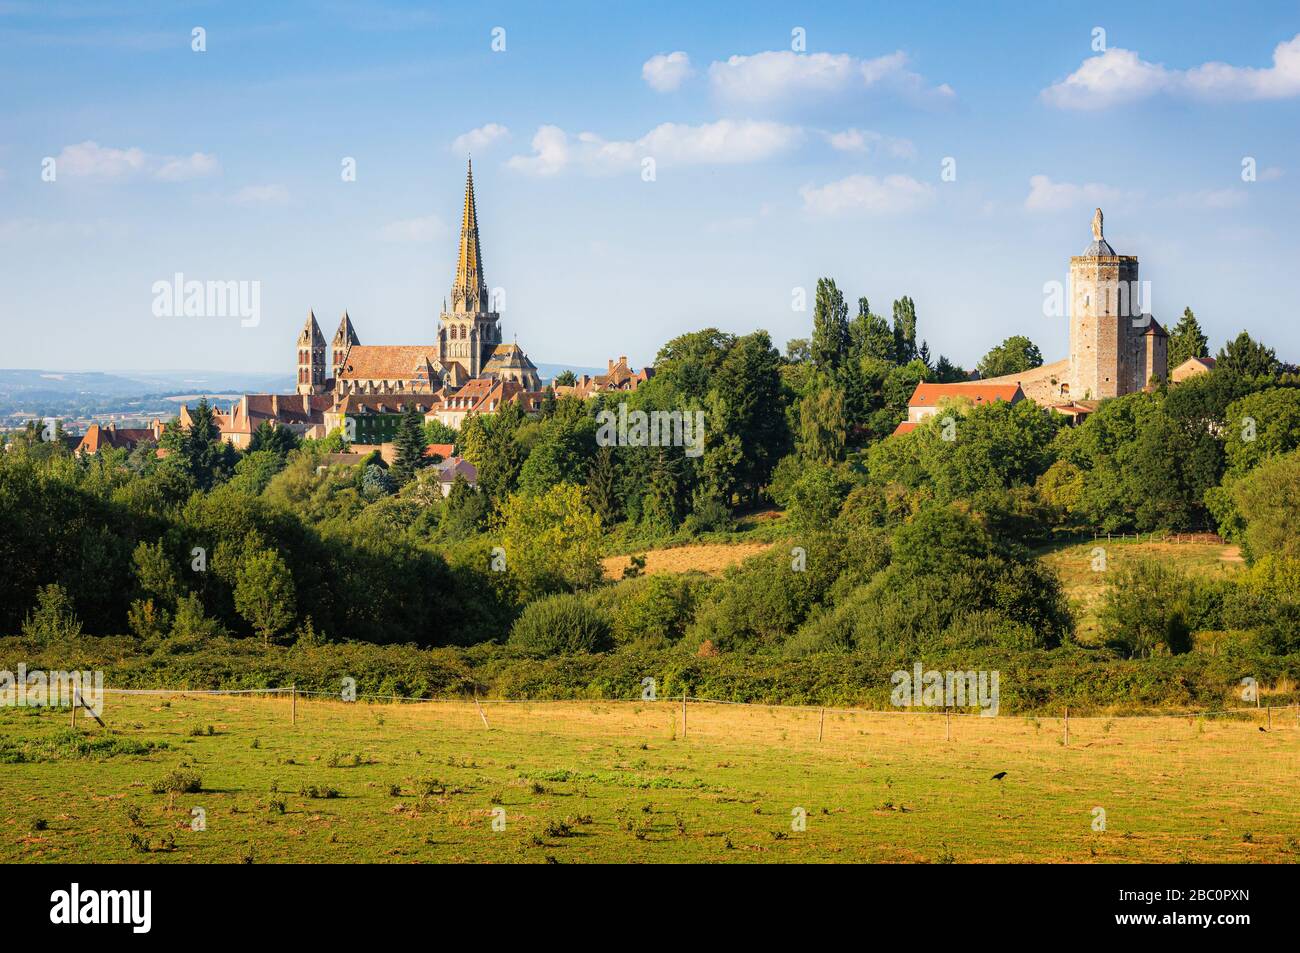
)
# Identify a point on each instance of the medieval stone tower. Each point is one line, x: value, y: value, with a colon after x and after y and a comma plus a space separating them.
x: 1115, y: 348
x: 470, y: 330
x: 311, y: 358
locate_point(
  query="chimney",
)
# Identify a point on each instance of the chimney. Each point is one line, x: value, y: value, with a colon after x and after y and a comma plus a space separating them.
x: 623, y: 359
x: 609, y: 366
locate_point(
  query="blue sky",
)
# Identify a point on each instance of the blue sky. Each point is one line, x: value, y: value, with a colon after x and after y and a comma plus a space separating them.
x: 772, y: 167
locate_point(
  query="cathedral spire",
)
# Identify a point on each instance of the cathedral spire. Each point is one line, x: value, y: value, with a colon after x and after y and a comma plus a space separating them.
x: 469, y: 291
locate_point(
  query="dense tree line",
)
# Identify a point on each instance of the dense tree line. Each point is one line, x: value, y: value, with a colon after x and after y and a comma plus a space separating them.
x: 903, y: 543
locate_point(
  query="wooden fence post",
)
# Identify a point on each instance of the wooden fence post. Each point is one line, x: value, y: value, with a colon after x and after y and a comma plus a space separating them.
x: 821, y: 724
x: 1067, y: 726
x: 293, y: 709
x: 947, y: 724
x: 1270, y: 716
x: 74, y: 709
x: 683, y: 714
x: 480, y: 709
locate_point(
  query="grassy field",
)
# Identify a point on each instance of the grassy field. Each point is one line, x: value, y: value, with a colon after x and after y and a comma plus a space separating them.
x: 617, y: 782
x: 1084, y: 586
x: 710, y: 558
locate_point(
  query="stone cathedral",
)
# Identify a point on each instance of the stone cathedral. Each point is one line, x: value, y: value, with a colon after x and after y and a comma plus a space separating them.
x: 468, y: 346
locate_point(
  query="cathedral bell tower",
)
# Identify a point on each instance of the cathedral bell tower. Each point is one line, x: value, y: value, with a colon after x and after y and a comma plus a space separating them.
x: 469, y: 330
x: 311, y: 357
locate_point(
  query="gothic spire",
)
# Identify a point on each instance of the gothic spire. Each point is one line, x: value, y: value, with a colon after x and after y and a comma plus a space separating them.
x: 469, y: 291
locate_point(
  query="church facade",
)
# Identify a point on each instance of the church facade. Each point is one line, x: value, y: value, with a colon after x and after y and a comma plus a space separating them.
x: 468, y: 345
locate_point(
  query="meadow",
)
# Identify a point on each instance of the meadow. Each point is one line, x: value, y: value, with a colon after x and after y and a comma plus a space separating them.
x: 618, y: 782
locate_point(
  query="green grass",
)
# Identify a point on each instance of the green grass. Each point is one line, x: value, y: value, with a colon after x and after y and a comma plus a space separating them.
x: 616, y: 782
x: 1084, y: 586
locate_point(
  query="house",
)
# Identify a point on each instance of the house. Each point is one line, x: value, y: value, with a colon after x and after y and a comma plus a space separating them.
x: 483, y: 395
x: 97, y: 437
x: 928, y: 398
x: 304, y: 414
x: 1191, y: 368
x: 618, y: 376
x: 453, y: 467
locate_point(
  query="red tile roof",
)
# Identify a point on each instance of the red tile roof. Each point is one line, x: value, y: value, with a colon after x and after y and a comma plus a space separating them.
x: 931, y: 395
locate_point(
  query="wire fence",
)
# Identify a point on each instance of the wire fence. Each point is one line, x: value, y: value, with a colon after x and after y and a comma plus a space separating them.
x: 1257, y: 711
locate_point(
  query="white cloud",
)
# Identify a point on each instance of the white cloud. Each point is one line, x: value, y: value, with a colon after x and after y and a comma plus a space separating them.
x: 665, y: 72
x: 776, y: 77
x: 425, y: 229
x: 1121, y: 76
x: 196, y: 166
x: 550, y: 153
x: 1048, y: 196
x: 867, y: 194
x: 1271, y: 174
x: 253, y: 195
x: 478, y: 140
x: 864, y: 141
x: 725, y: 142
x: 90, y: 160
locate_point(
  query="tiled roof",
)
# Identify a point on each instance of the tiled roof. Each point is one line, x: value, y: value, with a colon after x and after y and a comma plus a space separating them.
x: 930, y: 395
x: 906, y: 426
x: 386, y: 362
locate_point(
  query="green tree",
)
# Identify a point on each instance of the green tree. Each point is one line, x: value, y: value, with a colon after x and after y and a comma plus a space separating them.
x: 602, y: 485
x: 830, y: 337
x: 1247, y: 358
x: 410, y: 446
x: 1015, y: 355
x: 904, y: 330
x: 1187, y: 340
x: 270, y: 436
x: 1268, y: 501
x: 156, y: 575
x: 551, y: 540
x: 264, y: 593
x: 565, y: 379
x: 823, y: 428
x: 1261, y: 425
x: 747, y: 414
x: 1146, y: 609
x: 53, y: 618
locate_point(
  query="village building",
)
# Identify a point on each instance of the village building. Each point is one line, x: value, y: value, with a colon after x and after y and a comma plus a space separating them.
x: 97, y: 437
x: 617, y: 377
x: 1190, y: 368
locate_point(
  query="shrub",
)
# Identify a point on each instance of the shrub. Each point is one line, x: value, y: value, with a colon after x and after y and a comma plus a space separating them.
x: 1145, y: 610
x: 662, y: 608
x: 178, y: 782
x: 559, y: 624
x: 54, y: 618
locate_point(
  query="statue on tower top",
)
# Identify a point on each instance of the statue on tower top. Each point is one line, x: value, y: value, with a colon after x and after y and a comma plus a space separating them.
x: 1096, y: 225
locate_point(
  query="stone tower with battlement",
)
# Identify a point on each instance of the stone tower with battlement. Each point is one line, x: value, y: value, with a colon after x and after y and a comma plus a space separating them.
x: 1115, y: 347
x: 469, y: 330
x: 311, y: 357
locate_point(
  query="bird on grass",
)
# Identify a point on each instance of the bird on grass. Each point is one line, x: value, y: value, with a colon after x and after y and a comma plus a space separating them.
x: 999, y: 776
